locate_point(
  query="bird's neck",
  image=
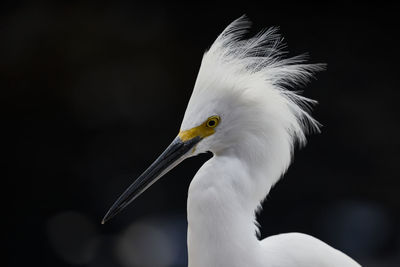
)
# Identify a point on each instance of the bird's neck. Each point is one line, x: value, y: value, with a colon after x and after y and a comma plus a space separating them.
x: 221, y: 213
x: 223, y: 198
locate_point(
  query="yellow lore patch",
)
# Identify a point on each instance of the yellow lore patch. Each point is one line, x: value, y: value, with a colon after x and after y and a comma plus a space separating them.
x: 203, y: 130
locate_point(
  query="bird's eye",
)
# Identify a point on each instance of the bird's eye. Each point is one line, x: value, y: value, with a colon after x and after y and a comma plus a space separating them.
x: 212, y: 122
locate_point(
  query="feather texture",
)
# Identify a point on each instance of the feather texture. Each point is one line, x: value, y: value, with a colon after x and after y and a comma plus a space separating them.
x: 260, y: 58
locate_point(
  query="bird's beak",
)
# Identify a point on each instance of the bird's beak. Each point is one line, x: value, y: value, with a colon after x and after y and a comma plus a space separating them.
x: 175, y: 153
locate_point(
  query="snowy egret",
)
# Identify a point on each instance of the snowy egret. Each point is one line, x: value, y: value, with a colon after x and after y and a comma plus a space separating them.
x: 243, y: 112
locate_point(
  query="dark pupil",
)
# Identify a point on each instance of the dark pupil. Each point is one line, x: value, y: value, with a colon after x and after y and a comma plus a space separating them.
x: 211, y: 123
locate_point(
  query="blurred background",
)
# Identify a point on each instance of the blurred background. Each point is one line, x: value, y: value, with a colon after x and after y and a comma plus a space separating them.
x: 92, y: 93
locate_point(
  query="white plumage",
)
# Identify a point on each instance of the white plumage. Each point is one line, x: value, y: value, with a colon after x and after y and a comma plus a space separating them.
x: 244, y: 82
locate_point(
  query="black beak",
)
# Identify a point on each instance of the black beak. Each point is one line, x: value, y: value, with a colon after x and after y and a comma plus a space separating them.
x: 175, y: 153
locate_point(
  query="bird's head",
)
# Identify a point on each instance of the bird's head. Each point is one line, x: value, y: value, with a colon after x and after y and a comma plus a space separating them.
x: 240, y: 104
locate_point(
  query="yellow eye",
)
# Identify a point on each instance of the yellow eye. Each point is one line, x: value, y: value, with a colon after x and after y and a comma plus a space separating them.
x: 212, y: 122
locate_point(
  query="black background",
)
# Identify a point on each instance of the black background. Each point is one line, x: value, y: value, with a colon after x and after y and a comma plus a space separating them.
x: 93, y: 92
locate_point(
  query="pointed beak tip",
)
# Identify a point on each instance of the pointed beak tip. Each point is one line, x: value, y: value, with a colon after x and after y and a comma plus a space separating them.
x: 171, y: 157
x: 106, y: 218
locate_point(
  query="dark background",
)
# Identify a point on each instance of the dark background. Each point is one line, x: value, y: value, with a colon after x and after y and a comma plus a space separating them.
x: 93, y: 92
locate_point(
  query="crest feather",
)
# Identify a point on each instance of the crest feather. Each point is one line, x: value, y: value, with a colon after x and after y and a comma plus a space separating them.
x: 262, y: 57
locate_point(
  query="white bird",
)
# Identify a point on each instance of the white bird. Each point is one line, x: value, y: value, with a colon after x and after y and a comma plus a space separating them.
x: 243, y: 112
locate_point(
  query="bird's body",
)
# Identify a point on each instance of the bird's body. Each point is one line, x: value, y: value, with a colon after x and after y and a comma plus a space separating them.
x: 241, y: 111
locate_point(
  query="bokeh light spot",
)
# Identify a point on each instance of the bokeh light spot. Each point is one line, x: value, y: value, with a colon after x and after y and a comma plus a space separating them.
x: 144, y: 244
x: 73, y: 237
